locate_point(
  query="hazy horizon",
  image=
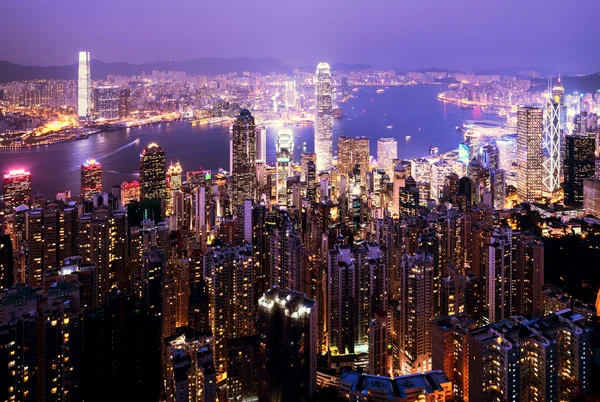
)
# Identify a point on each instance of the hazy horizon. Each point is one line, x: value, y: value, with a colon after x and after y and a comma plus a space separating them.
x: 410, y: 34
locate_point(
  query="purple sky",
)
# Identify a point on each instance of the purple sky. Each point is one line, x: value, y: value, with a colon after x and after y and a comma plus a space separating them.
x: 557, y: 34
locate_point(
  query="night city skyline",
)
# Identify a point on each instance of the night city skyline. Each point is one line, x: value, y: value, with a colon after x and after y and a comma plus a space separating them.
x: 465, y: 34
x: 279, y: 201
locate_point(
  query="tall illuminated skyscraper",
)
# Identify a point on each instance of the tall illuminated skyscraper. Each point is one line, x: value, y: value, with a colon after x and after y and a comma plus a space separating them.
x: 290, y: 94
x: 243, y: 159
x: 552, y: 146
x: 153, y: 172
x: 173, y: 184
x: 91, y: 178
x: 529, y: 153
x: 387, y: 151
x: 323, y: 117
x: 84, y: 86
x: 558, y: 95
x: 17, y: 189
x: 285, y: 152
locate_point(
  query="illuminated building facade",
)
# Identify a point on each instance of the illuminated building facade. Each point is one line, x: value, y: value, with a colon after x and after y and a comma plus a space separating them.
x: 285, y: 153
x: 387, y: 151
x: 416, y: 312
x: 17, y: 190
x: 188, y: 368
x: 428, y: 387
x: 243, y: 159
x: 352, y: 152
x: 290, y: 94
x: 91, y: 179
x: 230, y: 277
x: 152, y: 173
x: 323, y: 117
x: 552, y: 146
x: 529, y: 153
x: 130, y: 192
x: 579, y: 165
x: 102, y: 239
x: 124, y: 103
x: 106, y: 102
x: 174, y: 182
x: 287, y: 326
x: 84, y: 86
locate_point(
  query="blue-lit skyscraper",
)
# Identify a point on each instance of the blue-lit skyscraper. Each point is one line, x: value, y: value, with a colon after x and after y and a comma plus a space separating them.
x: 84, y: 86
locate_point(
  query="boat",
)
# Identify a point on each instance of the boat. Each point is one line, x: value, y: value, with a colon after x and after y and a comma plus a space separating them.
x: 389, y: 127
x: 468, y: 107
x: 380, y: 91
x: 354, y: 89
x: 338, y: 113
x: 407, y: 137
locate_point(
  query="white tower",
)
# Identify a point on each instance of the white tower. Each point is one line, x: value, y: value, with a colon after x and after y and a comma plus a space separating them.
x: 552, y: 146
x: 84, y: 86
x: 323, y: 117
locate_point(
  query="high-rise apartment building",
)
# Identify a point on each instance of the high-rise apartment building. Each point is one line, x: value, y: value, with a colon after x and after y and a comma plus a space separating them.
x: 188, y: 369
x: 387, y: 151
x: 529, y: 153
x: 50, y: 236
x: 152, y: 173
x: 230, y: 276
x: 106, y: 102
x: 91, y: 179
x: 416, y: 312
x: 84, y: 86
x: 124, y: 103
x: 323, y: 117
x: 579, y: 165
x: 352, y: 152
x: 243, y: 159
x: 285, y: 154
x: 287, y: 326
x: 102, y: 239
x: 378, y: 344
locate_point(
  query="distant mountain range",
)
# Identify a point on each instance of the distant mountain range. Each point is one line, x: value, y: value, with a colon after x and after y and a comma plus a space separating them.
x: 266, y: 65
x: 100, y: 69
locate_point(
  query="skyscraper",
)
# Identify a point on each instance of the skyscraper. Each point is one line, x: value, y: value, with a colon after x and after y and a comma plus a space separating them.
x: 243, y: 159
x: 529, y: 153
x: 124, y: 103
x: 84, y: 86
x: 106, y: 102
x: 153, y: 173
x: 579, y: 165
x: 352, y: 152
x: 290, y: 94
x: 285, y: 152
x: 387, y: 151
x: 323, y: 117
x: 287, y: 325
x: 552, y: 146
x: 230, y: 277
x: 416, y: 312
x: 91, y: 178
x: 17, y: 190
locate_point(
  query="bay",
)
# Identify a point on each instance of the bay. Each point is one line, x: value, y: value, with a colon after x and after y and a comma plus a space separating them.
x: 397, y: 112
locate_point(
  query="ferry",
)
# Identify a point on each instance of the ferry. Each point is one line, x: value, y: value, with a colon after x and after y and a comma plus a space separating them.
x: 407, y: 137
x: 380, y: 91
x: 354, y: 89
x: 389, y: 127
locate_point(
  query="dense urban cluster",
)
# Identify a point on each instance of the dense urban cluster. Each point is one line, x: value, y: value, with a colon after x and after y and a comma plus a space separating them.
x: 352, y: 276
